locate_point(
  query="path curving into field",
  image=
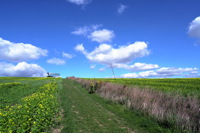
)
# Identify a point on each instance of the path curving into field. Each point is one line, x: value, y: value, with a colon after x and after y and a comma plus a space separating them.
x: 86, y: 114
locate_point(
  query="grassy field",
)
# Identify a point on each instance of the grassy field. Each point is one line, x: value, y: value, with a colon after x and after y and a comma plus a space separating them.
x: 176, y: 86
x: 27, y: 104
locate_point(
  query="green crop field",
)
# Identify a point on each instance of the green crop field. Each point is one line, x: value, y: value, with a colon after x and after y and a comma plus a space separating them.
x: 180, y: 86
x: 27, y: 104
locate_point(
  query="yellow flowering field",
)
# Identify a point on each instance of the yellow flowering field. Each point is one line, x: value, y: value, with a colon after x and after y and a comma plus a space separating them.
x: 33, y: 112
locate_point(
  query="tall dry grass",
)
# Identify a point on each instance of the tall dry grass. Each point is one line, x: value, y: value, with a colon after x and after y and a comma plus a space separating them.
x: 179, y: 111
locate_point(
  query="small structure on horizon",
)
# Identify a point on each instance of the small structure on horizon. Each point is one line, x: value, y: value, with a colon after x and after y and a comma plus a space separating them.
x: 53, y: 74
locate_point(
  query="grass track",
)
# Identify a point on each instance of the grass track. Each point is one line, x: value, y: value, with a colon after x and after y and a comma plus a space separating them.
x: 88, y: 113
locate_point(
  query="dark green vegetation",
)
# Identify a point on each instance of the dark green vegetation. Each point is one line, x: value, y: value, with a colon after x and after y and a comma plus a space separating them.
x: 176, y: 86
x: 28, y: 104
x: 92, y: 114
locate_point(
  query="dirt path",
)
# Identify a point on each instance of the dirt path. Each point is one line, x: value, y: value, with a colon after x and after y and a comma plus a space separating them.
x: 88, y: 115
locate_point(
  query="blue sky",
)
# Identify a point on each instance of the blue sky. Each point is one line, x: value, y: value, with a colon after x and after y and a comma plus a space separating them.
x: 83, y: 38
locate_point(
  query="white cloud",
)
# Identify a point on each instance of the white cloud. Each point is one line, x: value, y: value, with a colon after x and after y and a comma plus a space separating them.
x: 17, y: 52
x: 94, y: 33
x: 121, y: 8
x: 22, y: 69
x: 56, y: 61
x: 86, y: 30
x: 163, y: 72
x: 80, y: 2
x: 81, y: 31
x: 137, y: 66
x: 193, y: 74
x: 103, y: 35
x: 106, y: 54
x: 194, y: 28
x: 66, y: 55
x: 92, y: 66
x: 80, y: 48
x: 130, y: 75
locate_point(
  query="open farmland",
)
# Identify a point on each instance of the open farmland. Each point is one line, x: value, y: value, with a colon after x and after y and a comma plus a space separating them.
x: 176, y: 86
x: 27, y: 104
x: 94, y: 106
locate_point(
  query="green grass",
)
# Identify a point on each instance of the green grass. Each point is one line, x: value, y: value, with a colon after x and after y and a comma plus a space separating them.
x: 90, y: 113
x: 176, y: 86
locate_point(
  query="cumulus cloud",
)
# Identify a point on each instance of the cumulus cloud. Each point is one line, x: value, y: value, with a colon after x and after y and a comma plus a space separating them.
x: 161, y: 73
x: 66, y: 55
x: 121, y: 8
x: 56, y: 61
x: 81, y: 49
x: 194, y: 28
x: 106, y: 54
x: 103, y: 35
x: 17, y: 52
x: 22, y: 69
x: 94, y: 33
x: 80, y: 2
x: 137, y: 66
